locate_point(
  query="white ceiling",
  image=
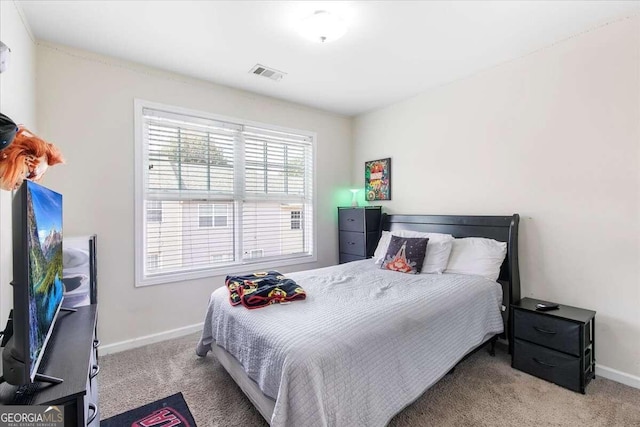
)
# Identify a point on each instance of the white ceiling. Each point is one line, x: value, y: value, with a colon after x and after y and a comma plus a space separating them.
x: 392, y: 50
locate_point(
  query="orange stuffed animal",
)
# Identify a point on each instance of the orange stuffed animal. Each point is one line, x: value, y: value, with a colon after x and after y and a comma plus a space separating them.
x: 28, y: 157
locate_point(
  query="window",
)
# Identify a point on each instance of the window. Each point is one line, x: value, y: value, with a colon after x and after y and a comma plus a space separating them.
x: 220, y: 213
x: 154, y: 211
x: 296, y: 218
x: 212, y: 215
x: 219, y: 195
x: 205, y: 216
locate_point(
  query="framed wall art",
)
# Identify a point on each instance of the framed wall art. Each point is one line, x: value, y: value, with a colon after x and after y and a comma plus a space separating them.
x: 377, y: 179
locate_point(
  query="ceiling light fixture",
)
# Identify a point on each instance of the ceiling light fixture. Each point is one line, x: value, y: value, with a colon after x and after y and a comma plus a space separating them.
x: 323, y: 27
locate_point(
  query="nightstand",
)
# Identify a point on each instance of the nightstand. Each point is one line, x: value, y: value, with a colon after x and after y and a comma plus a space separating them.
x: 556, y: 345
x: 359, y: 232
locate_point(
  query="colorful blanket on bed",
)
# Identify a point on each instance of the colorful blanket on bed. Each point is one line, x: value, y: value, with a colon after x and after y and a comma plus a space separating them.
x: 261, y: 289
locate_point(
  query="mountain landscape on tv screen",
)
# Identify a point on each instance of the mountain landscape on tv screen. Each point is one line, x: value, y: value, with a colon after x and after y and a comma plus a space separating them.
x: 44, y: 220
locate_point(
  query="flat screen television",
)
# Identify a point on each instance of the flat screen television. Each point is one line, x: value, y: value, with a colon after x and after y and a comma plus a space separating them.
x: 37, y: 280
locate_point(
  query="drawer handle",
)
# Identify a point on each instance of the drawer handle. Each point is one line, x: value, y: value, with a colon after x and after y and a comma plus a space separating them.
x: 95, y: 370
x: 350, y: 219
x: 96, y: 343
x: 351, y: 243
x: 544, y: 331
x: 93, y: 415
x: 540, y: 362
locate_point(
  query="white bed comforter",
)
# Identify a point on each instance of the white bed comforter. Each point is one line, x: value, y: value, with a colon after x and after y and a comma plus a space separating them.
x: 364, y: 344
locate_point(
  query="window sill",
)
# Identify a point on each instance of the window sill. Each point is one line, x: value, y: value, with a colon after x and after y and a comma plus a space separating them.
x: 240, y: 268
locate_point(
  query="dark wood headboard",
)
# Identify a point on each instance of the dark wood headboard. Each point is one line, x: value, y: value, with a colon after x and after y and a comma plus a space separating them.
x: 501, y: 228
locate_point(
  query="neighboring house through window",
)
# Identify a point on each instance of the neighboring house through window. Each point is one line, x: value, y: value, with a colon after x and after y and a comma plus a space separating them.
x: 256, y: 253
x: 154, y: 211
x: 296, y: 220
x: 213, y: 215
x: 205, y: 216
x: 153, y: 261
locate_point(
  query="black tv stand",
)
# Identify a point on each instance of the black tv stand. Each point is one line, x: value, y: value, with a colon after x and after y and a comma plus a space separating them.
x: 71, y: 354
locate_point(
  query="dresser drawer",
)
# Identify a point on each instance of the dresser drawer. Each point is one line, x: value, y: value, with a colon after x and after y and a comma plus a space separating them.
x: 550, y: 365
x: 348, y: 258
x: 548, y: 331
x: 351, y: 219
x: 352, y: 243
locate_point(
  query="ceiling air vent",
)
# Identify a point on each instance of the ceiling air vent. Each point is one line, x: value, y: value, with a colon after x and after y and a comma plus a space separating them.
x: 270, y: 73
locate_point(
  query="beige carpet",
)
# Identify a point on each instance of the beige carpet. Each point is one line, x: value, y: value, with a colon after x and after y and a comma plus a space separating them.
x: 483, y: 391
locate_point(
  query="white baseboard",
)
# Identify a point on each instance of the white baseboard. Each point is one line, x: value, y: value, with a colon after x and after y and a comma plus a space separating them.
x: 617, y: 376
x: 149, y: 339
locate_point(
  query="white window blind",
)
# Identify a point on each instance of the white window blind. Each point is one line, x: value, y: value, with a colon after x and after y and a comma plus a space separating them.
x: 217, y: 196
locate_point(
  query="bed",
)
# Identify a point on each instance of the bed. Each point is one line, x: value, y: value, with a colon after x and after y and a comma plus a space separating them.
x: 367, y: 342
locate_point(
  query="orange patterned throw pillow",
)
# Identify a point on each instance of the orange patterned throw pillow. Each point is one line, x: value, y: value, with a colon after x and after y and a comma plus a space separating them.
x: 405, y: 254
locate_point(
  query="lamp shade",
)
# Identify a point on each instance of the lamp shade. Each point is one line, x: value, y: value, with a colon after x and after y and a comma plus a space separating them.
x: 354, y: 200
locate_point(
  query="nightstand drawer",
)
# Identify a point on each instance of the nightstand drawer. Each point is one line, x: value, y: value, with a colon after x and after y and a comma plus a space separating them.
x: 351, y: 219
x: 554, y: 333
x: 352, y: 243
x: 547, y: 364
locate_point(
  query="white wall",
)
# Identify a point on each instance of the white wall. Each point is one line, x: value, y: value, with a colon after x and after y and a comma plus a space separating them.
x: 17, y: 100
x: 85, y: 107
x: 554, y: 136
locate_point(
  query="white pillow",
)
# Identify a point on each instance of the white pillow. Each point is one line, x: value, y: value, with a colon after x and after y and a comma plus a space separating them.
x: 438, y: 249
x: 383, y: 244
x: 477, y: 256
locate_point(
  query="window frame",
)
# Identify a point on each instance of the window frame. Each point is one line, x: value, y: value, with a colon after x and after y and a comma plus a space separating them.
x: 239, y: 265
